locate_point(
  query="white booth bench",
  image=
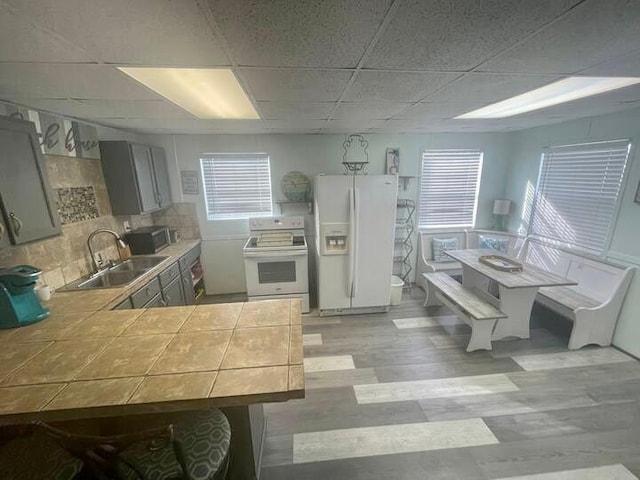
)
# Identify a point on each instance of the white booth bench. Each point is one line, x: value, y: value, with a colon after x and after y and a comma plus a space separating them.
x: 468, y: 305
x: 483, y: 238
x: 426, y: 263
x: 594, y: 304
x: 464, y: 239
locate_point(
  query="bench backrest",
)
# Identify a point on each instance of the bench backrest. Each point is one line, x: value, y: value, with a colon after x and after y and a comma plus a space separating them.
x: 426, y: 241
x: 515, y: 241
x: 596, y: 279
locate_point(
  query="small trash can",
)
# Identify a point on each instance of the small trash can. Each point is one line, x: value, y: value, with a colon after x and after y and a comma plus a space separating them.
x: 396, y: 290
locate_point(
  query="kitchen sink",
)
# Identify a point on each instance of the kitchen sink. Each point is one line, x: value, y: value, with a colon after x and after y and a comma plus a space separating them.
x: 120, y: 274
x: 137, y: 264
x: 110, y: 279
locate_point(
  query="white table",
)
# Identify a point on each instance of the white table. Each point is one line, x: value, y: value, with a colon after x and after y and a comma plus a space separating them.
x: 516, y: 290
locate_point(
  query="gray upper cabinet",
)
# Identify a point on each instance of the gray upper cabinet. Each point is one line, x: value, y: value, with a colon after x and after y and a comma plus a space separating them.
x: 26, y: 199
x: 144, y: 174
x: 136, y: 176
x: 159, y: 161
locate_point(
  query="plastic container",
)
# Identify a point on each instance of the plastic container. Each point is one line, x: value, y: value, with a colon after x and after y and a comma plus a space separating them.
x: 396, y: 290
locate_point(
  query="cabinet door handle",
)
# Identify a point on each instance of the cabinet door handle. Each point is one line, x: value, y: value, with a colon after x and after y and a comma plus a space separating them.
x: 147, y: 291
x: 163, y: 303
x: 168, y: 299
x: 16, y: 223
x: 1, y: 231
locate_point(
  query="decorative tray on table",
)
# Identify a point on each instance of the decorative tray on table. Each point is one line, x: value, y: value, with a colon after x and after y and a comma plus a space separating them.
x: 501, y: 263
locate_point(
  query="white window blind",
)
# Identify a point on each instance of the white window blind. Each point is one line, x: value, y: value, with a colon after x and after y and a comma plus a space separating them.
x: 449, y: 185
x: 577, y: 193
x: 237, y: 185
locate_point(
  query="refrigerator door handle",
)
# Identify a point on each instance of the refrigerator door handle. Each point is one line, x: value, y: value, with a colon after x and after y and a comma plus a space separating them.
x: 352, y: 243
x: 356, y: 220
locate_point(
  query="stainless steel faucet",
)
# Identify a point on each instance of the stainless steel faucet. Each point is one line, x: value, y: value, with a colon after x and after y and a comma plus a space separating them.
x: 120, y: 242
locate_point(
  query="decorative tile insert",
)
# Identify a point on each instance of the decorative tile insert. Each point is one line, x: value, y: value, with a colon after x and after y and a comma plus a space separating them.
x: 76, y: 204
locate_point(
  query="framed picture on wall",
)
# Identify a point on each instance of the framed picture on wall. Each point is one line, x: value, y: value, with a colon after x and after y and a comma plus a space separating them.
x: 637, y: 198
x: 393, y: 161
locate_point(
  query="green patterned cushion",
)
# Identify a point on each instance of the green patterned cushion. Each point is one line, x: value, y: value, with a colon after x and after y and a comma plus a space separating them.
x: 36, y: 456
x: 205, y: 438
x: 441, y: 245
x: 494, y: 243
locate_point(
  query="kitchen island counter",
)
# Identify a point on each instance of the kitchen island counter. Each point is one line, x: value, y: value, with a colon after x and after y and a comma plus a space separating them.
x: 86, y: 362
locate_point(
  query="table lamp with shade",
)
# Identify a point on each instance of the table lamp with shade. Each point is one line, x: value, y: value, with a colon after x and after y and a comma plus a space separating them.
x: 500, y: 211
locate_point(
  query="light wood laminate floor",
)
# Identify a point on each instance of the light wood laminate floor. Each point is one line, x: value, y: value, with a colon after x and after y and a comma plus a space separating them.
x: 395, y: 396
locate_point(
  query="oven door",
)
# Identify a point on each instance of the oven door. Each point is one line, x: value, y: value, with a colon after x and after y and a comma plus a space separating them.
x: 276, y: 272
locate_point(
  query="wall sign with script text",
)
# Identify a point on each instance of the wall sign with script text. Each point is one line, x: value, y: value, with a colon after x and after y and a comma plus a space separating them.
x: 58, y: 135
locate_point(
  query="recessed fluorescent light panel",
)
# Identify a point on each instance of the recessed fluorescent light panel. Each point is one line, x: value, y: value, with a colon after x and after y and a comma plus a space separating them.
x: 204, y: 92
x: 571, y: 88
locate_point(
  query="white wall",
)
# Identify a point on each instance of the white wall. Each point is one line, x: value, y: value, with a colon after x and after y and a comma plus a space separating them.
x: 625, y: 242
x: 313, y: 154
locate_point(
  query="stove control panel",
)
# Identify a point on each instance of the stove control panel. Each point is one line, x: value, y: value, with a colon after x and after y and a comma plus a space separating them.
x: 276, y: 223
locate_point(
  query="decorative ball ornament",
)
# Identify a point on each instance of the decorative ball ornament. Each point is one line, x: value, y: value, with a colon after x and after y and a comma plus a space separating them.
x: 296, y: 186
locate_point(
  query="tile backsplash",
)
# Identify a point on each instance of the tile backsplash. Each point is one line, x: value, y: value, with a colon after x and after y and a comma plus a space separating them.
x: 181, y: 217
x: 76, y: 204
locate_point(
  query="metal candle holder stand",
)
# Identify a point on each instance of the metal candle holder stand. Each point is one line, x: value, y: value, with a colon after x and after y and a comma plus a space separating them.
x: 355, y: 167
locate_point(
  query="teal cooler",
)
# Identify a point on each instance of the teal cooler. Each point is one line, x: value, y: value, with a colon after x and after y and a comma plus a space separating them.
x: 19, y: 304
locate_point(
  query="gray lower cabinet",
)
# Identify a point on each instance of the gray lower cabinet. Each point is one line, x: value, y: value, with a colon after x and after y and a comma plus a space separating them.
x: 186, y: 262
x: 172, y: 293
x: 145, y: 294
x: 27, y: 208
x: 155, y: 302
x: 171, y: 288
x: 126, y: 305
x: 137, y: 177
x: 187, y: 287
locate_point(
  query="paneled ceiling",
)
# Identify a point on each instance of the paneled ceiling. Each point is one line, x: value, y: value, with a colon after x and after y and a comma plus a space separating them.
x: 323, y: 66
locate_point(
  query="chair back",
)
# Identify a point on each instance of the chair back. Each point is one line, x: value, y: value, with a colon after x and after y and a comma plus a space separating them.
x: 100, y: 455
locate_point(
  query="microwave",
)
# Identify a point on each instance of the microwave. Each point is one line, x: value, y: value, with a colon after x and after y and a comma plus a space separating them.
x: 147, y: 240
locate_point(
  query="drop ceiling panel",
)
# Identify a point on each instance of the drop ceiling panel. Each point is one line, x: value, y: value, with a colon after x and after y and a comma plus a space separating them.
x: 428, y: 111
x: 295, y: 110
x: 21, y: 42
x: 369, y: 110
x: 623, y: 66
x: 489, y: 88
x: 377, y: 86
x: 352, y: 125
x: 296, y: 85
x: 140, y: 32
x: 458, y: 35
x: 302, y: 33
x: 71, y: 80
x: 293, y: 125
x: 592, y: 33
x: 178, y: 125
x: 96, y: 109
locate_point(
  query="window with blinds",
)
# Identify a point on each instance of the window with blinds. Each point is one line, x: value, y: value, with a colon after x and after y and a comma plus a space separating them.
x: 236, y: 186
x: 577, y: 193
x: 449, y: 185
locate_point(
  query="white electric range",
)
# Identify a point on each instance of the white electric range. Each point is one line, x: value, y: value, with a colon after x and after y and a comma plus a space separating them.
x: 276, y: 259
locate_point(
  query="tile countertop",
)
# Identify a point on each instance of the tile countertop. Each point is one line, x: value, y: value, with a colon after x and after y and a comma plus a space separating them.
x: 84, y: 361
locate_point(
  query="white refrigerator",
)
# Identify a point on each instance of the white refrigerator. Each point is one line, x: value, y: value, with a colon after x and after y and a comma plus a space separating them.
x: 355, y: 228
